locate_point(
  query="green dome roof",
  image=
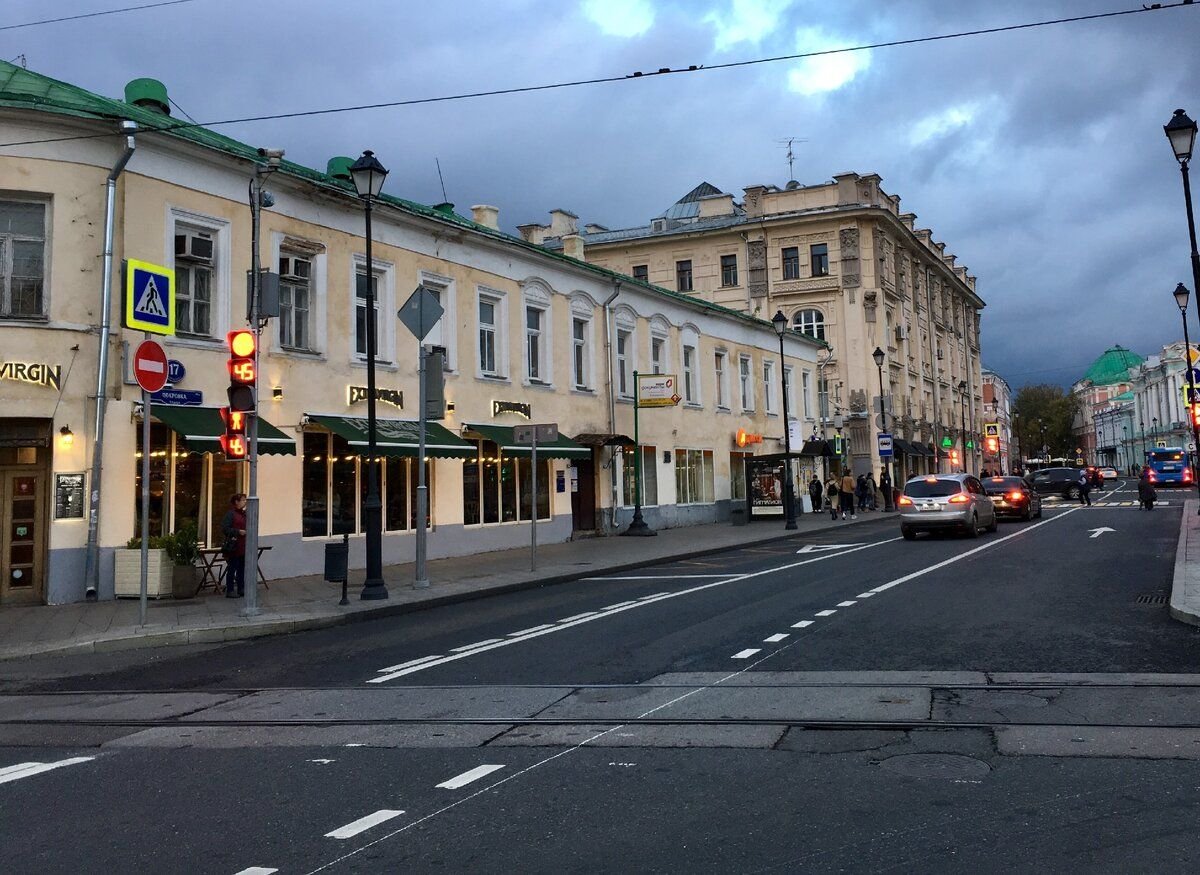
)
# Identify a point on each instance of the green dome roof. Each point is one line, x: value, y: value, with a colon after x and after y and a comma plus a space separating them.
x: 1113, y: 366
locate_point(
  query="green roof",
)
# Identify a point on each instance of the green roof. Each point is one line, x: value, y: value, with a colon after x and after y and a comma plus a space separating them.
x: 24, y: 89
x: 1113, y: 366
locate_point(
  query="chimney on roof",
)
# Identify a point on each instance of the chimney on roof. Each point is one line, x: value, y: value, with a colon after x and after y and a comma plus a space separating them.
x: 487, y: 215
x: 148, y: 94
x: 716, y: 205
x: 339, y: 168
x: 562, y: 223
x: 593, y: 228
x: 573, y: 246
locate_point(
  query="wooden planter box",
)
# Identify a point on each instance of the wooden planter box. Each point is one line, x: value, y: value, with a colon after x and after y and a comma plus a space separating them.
x: 127, y: 570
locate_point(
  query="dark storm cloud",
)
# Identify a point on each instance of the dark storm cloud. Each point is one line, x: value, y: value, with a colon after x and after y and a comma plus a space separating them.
x: 1037, y: 156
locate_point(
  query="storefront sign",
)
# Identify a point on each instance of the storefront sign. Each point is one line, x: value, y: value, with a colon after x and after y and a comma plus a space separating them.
x: 38, y: 373
x: 657, y: 390
x: 744, y: 438
x: 519, y: 407
x: 68, y: 496
x: 388, y: 396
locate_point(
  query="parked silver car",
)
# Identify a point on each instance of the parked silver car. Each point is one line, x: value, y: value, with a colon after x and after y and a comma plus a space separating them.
x: 941, y: 502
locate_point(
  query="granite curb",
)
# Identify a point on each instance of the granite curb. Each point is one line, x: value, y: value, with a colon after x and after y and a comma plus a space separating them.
x: 1185, y: 587
x: 278, y: 623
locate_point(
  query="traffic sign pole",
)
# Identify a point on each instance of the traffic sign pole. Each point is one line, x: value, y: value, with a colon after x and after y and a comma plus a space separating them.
x: 143, y: 582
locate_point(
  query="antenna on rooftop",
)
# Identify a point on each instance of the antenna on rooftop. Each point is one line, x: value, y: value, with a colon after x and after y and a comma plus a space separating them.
x: 791, y: 156
x: 442, y: 181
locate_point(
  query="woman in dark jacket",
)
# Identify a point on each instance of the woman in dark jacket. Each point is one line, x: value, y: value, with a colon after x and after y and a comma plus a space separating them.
x: 233, y: 526
x: 1146, y: 493
x: 814, y: 492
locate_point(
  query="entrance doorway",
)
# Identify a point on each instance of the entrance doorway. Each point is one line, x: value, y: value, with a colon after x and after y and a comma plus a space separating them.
x: 583, y: 502
x: 24, y: 496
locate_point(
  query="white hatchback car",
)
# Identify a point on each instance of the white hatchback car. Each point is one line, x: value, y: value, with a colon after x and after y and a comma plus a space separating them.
x: 941, y: 502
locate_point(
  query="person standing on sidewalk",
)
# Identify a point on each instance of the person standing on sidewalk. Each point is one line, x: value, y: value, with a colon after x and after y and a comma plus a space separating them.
x: 233, y: 527
x: 885, y: 486
x: 831, y: 493
x: 815, y: 492
x: 846, y: 494
x: 872, y: 493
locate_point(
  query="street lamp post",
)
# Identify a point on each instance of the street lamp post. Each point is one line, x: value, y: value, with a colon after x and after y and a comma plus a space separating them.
x: 1142, y: 429
x: 1125, y: 463
x: 789, y: 502
x: 1181, y: 133
x: 887, y: 460
x: 962, y: 421
x: 1181, y: 298
x: 368, y: 175
x: 1154, y: 429
x: 1016, y: 427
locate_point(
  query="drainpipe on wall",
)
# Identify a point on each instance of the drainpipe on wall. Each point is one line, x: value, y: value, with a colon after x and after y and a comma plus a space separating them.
x: 612, y: 407
x: 91, y: 568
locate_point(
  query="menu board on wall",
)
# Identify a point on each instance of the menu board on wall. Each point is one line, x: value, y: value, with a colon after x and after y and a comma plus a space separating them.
x: 68, y: 496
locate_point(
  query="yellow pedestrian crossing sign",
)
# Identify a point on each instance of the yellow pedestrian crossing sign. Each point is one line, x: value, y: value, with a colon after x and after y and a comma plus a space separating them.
x: 149, y: 297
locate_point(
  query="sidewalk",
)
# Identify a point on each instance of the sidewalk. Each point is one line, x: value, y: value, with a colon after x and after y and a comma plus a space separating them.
x: 1185, y: 590
x: 298, y: 603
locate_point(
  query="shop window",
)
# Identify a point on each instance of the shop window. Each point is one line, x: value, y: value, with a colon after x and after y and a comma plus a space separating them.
x: 737, y: 476
x: 225, y: 483
x: 160, y: 451
x: 343, y: 504
x: 694, y: 479
x: 496, y: 488
x: 315, y: 489
x: 649, y: 477
x: 22, y: 259
x: 185, y: 487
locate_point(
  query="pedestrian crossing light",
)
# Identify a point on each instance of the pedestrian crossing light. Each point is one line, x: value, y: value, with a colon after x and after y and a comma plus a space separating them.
x: 954, y: 457
x: 993, y: 445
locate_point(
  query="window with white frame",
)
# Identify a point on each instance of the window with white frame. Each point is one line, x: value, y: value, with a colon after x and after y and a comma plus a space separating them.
x: 580, y: 353
x: 649, y: 476
x: 489, y: 318
x: 366, y: 299
x: 195, y: 280
x: 535, y: 321
x: 657, y: 351
x: 722, y: 390
x: 810, y: 321
x: 789, y: 389
x: 296, y: 301
x: 769, y: 386
x: 694, y: 477
x: 22, y: 259
x: 660, y: 330
x: 745, y: 382
x: 624, y: 374
x: 691, y: 377
x: 442, y: 334
x: 806, y: 393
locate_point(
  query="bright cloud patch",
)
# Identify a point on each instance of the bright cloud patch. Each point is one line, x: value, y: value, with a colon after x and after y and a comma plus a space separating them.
x: 824, y: 72
x: 745, y: 21
x: 624, y: 18
x: 939, y: 124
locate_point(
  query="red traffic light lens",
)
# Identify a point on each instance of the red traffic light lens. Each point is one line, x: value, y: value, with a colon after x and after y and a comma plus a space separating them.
x: 234, y: 446
x: 242, y: 343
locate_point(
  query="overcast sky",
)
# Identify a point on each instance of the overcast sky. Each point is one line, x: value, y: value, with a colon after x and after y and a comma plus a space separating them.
x: 1037, y: 155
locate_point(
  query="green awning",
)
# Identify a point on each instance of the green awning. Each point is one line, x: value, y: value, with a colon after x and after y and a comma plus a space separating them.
x: 396, y: 437
x: 201, y: 429
x: 563, y: 448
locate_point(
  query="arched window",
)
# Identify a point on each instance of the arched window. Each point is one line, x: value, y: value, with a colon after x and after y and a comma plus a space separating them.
x: 811, y: 322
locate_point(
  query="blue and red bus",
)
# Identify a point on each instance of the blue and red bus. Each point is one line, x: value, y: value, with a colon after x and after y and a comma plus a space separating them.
x: 1169, y: 466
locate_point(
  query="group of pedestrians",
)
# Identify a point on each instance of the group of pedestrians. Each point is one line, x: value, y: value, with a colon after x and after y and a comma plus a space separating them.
x: 846, y: 495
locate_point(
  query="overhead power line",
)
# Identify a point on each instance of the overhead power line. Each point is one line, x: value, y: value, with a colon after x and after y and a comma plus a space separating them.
x: 96, y: 14
x: 639, y: 75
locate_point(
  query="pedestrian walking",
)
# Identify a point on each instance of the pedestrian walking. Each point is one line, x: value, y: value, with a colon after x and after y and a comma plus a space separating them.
x: 846, y: 494
x: 885, y: 486
x: 860, y: 491
x: 831, y: 492
x: 1085, y: 489
x: 815, y: 492
x: 233, y: 527
x: 872, y: 497
x: 1146, y: 492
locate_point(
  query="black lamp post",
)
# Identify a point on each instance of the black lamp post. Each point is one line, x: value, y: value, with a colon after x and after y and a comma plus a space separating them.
x: 887, y: 461
x: 1154, y: 429
x: 368, y: 175
x: 1016, y: 430
x: 962, y: 421
x: 1181, y: 132
x: 1125, y: 446
x: 789, y: 502
x: 1181, y: 298
x: 1142, y: 429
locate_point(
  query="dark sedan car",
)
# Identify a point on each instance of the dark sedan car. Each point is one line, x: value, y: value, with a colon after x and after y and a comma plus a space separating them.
x: 1013, y: 497
x: 1056, y: 481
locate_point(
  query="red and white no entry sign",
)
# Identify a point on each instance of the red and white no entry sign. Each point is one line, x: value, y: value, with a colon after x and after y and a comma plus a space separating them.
x: 150, y: 366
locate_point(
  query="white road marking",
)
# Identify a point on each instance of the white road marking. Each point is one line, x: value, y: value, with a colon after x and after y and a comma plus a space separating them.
x: 28, y: 770
x: 846, y: 604
x: 821, y: 548
x: 322, y: 762
x: 473, y: 646
x: 1096, y: 533
x: 662, y: 577
x: 363, y: 824
x: 576, y: 617
x: 411, y: 662
x: 531, y: 630
x: 864, y: 595
x: 776, y: 638
x: 257, y: 870
x: 467, y: 777
x: 802, y: 624
x: 746, y: 654
x: 618, y: 605
x: 827, y: 613
x: 385, y: 675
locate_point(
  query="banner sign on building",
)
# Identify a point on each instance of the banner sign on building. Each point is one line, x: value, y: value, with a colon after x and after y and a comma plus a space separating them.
x: 657, y: 390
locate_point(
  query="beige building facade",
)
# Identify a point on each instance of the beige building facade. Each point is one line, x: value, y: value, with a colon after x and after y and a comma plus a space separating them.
x: 845, y: 265
x: 528, y: 336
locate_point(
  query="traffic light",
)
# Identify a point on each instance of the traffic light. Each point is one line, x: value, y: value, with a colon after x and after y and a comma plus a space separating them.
x: 993, y: 445
x: 837, y: 444
x: 243, y: 370
x: 1196, y: 414
x: 954, y: 457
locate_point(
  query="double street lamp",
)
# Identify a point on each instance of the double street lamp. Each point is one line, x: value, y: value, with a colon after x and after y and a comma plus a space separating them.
x: 1181, y: 298
x: 789, y: 501
x: 368, y: 175
x: 883, y: 424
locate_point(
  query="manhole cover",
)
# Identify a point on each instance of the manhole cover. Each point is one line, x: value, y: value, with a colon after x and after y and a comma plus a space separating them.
x: 936, y: 765
x: 1158, y: 598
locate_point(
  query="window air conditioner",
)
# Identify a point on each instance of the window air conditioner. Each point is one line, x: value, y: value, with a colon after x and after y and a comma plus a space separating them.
x: 194, y: 246
x: 291, y: 268
x: 901, y: 332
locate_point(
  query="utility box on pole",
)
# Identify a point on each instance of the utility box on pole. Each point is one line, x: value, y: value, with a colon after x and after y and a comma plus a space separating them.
x: 435, y: 386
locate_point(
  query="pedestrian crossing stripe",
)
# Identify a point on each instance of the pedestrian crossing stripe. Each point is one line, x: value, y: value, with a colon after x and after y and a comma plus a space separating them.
x: 149, y: 297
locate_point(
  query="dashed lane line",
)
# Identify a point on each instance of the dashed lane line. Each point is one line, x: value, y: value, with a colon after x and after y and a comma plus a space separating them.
x: 846, y: 604
x: 363, y: 824
x: 826, y: 613
x: 776, y: 638
x: 802, y: 624
x: 257, y: 870
x: 467, y: 777
x: 746, y: 654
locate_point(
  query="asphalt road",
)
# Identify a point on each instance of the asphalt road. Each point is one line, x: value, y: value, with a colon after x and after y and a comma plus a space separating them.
x: 847, y: 701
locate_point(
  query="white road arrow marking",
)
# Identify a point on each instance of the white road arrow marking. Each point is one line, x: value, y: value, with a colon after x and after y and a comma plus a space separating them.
x: 821, y: 548
x: 1096, y: 533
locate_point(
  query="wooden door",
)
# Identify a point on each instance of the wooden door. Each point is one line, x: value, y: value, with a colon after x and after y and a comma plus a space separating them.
x: 23, y: 536
x: 583, y: 502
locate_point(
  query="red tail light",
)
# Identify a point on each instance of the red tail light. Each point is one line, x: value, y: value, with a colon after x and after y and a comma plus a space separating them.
x: 1016, y: 496
x: 1187, y: 475
x: 905, y: 501
x: 959, y: 499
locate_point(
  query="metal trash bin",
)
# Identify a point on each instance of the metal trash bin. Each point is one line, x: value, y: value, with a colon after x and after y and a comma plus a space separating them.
x: 739, y: 514
x: 337, y: 558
